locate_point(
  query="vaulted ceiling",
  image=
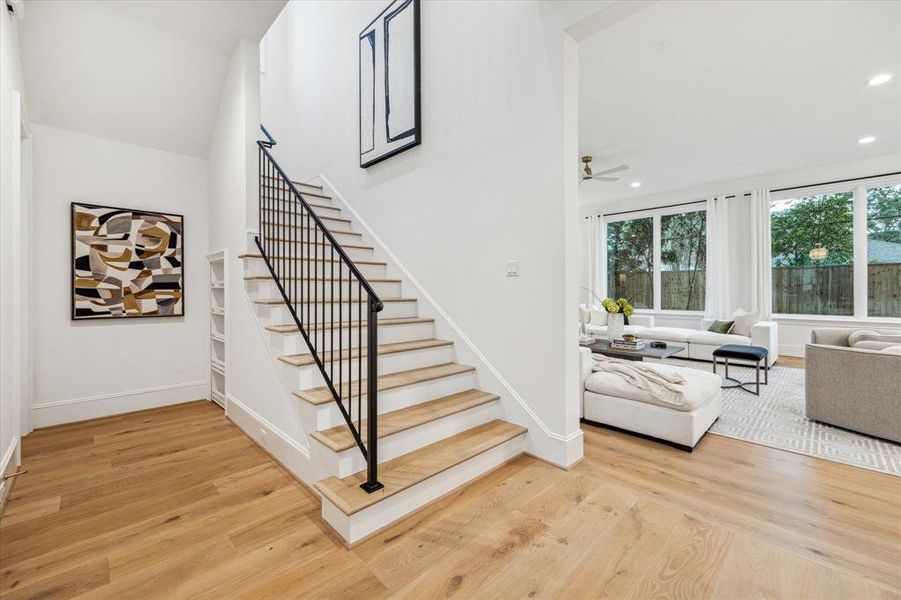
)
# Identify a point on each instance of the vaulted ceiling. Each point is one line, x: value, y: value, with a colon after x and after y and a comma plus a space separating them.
x: 689, y: 93
x: 143, y: 72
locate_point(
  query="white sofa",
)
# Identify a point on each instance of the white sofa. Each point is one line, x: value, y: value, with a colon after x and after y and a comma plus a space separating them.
x: 607, y: 400
x: 699, y: 344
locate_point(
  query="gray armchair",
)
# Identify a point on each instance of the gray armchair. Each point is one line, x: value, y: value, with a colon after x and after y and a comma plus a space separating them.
x: 852, y: 388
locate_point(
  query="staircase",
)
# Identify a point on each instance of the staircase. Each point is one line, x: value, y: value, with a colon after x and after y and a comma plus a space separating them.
x: 394, y: 421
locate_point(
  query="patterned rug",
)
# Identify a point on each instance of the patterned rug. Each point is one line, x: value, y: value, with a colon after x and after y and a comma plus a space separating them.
x: 776, y: 419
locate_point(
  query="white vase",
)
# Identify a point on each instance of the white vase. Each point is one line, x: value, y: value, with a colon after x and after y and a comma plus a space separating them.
x: 615, y: 326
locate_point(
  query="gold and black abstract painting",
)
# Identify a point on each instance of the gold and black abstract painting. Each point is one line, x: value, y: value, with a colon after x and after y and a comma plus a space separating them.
x: 126, y: 263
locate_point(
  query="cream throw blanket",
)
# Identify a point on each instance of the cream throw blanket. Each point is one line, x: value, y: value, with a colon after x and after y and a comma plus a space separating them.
x: 663, y: 384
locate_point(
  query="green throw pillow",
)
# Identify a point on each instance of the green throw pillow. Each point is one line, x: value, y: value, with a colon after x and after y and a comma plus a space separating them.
x: 721, y: 326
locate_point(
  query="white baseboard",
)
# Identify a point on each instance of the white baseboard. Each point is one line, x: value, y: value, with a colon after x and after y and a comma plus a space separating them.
x: 282, y: 447
x: 91, y: 407
x: 788, y: 350
x: 12, y: 459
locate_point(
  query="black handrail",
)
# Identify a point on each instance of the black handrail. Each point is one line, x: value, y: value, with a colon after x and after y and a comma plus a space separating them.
x: 302, y: 256
x: 269, y: 142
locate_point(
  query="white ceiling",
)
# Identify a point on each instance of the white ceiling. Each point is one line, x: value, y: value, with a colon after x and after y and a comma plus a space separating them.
x: 144, y: 72
x: 689, y: 93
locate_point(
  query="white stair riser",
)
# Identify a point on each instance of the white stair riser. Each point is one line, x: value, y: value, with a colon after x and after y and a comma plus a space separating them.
x: 331, y: 222
x: 323, y: 416
x: 278, y: 235
x: 312, y: 196
x: 293, y: 343
x: 279, y: 314
x: 257, y: 266
x: 350, y: 461
x: 357, y: 526
x: 266, y: 288
x: 309, y: 376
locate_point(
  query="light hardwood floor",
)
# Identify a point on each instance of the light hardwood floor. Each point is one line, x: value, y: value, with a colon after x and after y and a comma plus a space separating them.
x: 177, y: 502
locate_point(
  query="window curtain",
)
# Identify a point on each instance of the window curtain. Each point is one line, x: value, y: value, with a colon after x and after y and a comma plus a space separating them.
x: 761, y: 261
x: 718, y: 294
x: 594, y: 250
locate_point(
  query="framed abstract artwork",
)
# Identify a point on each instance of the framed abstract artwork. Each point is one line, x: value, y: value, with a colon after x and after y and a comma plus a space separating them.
x: 126, y: 263
x: 390, y: 120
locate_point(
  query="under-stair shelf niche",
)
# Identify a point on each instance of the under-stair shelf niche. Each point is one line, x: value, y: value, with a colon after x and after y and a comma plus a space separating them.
x: 218, y: 381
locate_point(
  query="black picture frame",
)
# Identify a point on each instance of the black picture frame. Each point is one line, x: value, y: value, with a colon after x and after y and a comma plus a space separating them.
x: 72, y: 258
x: 417, y: 81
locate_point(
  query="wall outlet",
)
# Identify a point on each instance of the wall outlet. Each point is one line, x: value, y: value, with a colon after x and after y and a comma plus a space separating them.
x: 512, y: 268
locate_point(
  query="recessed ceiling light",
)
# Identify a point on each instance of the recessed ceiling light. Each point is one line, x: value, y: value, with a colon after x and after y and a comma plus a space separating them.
x: 636, y: 184
x: 880, y: 79
x: 867, y: 139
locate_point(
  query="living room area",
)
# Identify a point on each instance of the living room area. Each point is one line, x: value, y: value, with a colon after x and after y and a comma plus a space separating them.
x: 741, y: 241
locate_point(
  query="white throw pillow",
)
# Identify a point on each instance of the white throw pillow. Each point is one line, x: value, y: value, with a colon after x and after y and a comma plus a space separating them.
x: 743, y: 321
x: 598, y: 317
x: 859, y: 336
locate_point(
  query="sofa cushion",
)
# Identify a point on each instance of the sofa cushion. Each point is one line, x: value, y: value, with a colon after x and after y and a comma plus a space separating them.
x: 709, y: 338
x: 668, y: 334
x: 700, y: 387
x: 896, y: 349
x: 744, y: 321
x: 874, y: 345
x: 602, y: 329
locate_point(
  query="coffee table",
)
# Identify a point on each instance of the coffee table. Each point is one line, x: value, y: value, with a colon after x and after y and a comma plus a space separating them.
x: 603, y: 347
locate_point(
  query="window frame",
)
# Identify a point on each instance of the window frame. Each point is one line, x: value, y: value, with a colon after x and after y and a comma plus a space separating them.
x: 655, y: 214
x: 860, y: 262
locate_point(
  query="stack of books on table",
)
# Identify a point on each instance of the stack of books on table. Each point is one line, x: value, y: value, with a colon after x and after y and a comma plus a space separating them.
x: 627, y: 345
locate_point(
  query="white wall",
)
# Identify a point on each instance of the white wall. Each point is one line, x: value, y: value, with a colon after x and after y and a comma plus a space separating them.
x: 253, y: 384
x: 88, y: 369
x: 14, y: 240
x: 485, y: 186
x: 794, y: 333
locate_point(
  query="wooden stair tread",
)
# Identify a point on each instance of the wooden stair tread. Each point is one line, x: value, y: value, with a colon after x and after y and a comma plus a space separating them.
x: 305, y: 259
x: 302, y: 360
x: 274, y: 301
x: 410, y: 469
x: 292, y: 328
x: 389, y: 381
x: 339, y: 438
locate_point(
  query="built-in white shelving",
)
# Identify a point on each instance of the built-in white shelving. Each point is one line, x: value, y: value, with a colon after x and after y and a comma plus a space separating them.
x: 218, y: 378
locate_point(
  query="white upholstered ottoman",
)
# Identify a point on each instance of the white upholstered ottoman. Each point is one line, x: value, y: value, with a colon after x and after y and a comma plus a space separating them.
x: 609, y: 400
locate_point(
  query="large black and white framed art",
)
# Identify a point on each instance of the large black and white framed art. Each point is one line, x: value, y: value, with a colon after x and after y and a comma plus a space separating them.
x: 389, y: 83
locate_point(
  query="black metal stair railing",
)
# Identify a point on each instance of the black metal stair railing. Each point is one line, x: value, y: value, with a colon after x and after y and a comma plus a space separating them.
x: 330, y: 300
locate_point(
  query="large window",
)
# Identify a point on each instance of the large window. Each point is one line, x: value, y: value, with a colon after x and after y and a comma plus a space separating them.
x: 683, y: 256
x: 884, y: 251
x: 813, y: 254
x: 838, y: 252
x: 630, y: 261
x: 674, y: 280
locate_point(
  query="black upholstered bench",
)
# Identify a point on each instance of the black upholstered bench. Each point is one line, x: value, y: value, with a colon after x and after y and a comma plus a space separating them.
x: 747, y: 353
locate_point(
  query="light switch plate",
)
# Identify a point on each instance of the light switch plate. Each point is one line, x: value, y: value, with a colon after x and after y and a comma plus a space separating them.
x: 512, y: 268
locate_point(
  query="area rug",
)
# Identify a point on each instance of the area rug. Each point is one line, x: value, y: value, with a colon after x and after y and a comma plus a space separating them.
x: 776, y: 419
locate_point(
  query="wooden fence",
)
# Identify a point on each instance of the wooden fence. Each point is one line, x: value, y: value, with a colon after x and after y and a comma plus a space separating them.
x: 814, y: 290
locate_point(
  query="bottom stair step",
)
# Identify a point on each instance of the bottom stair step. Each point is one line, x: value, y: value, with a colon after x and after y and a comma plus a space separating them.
x: 410, y: 469
x: 339, y: 438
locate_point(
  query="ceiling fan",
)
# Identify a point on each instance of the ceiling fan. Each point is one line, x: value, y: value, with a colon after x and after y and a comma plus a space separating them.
x: 601, y: 175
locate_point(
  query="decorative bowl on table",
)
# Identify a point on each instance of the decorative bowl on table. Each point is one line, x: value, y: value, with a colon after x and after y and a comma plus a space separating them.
x: 628, y: 337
